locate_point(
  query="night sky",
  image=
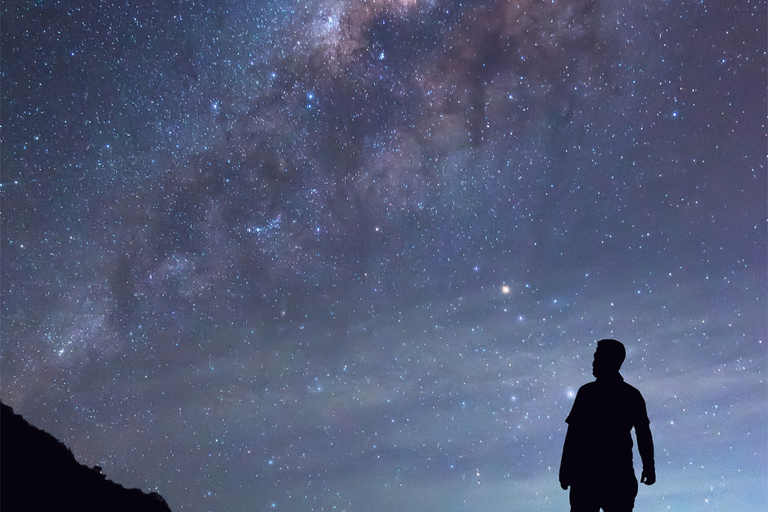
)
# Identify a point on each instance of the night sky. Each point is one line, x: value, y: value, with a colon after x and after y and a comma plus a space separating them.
x: 336, y: 255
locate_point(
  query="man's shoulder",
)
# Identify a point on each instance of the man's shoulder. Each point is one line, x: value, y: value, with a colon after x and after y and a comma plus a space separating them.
x: 633, y: 398
x: 619, y: 386
x: 629, y: 388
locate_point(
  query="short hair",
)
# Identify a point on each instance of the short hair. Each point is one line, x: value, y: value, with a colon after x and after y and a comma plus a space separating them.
x: 614, y: 351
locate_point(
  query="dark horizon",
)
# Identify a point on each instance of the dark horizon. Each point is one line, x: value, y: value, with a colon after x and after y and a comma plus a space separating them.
x: 39, y: 472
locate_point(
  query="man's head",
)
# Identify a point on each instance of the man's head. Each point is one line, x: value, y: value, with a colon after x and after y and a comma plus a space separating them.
x: 609, y: 356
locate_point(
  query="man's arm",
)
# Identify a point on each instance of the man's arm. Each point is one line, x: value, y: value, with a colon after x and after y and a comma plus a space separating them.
x: 645, y: 447
x: 567, y: 460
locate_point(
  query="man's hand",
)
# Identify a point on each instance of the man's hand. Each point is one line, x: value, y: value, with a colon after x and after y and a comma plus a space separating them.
x: 649, y: 476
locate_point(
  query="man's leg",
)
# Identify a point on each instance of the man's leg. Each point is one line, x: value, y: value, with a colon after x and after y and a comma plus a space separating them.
x: 622, y: 497
x: 584, y: 499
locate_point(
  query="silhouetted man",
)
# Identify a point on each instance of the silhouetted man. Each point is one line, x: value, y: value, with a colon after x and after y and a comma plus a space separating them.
x: 597, y: 455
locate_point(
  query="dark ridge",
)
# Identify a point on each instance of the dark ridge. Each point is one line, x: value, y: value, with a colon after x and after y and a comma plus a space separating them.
x: 38, y: 472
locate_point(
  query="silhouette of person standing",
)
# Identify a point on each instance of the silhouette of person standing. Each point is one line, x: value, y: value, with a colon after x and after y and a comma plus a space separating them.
x: 597, y: 454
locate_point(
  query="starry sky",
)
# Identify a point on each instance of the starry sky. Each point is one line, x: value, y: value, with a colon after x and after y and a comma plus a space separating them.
x: 342, y: 255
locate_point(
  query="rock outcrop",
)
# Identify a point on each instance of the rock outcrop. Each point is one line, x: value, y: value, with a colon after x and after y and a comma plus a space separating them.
x: 38, y: 472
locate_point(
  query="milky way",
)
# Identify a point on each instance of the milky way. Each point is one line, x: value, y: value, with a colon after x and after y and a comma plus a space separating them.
x: 341, y: 255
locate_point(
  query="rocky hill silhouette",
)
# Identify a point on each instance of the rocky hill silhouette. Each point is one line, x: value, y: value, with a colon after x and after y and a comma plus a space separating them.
x: 38, y: 472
